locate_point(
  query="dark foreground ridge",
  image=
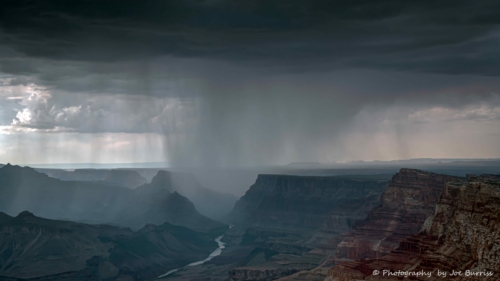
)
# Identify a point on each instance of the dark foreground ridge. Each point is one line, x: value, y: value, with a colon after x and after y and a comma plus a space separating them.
x: 40, y: 249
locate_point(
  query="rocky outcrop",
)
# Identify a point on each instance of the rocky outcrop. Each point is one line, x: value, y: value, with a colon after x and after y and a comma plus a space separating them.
x: 39, y: 249
x: 408, y: 200
x: 461, y: 235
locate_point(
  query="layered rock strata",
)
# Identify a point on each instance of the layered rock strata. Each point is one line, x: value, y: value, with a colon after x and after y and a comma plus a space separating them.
x: 409, y: 199
x: 291, y: 215
x: 461, y: 236
x: 281, y: 201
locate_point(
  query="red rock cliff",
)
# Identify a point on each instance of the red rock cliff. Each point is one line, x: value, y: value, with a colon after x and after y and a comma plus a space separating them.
x: 462, y: 235
x: 408, y: 200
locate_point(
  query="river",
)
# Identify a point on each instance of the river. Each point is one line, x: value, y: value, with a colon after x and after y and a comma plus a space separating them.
x: 215, y: 253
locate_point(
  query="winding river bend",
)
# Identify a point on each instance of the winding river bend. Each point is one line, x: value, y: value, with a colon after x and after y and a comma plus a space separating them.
x: 215, y: 253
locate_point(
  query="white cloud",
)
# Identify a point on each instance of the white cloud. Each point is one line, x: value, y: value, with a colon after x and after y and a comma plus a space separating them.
x: 474, y: 112
x: 40, y: 110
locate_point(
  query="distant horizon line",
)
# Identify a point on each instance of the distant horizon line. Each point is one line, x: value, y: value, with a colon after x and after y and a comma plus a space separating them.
x: 164, y: 164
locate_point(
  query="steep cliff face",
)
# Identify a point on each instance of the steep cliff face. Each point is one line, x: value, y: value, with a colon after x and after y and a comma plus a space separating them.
x: 462, y: 235
x: 290, y: 215
x: 307, y: 202
x: 408, y: 200
x: 39, y: 249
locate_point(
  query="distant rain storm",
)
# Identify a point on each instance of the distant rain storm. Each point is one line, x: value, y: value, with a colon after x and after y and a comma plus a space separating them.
x: 262, y: 140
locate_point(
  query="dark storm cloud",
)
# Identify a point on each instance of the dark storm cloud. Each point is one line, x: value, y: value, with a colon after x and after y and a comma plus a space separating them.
x: 250, y: 82
x: 430, y: 36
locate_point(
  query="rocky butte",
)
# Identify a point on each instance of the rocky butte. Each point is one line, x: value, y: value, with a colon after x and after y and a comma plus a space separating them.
x: 462, y: 235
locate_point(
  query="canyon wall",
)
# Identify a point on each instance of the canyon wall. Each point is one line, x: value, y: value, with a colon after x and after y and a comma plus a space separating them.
x: 411, y: 197
x: 291, y: 215
x: 462, y: 235
x: 306, y: 202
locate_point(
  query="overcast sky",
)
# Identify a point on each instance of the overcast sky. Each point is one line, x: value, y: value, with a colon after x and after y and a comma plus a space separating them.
x: 237, y: 83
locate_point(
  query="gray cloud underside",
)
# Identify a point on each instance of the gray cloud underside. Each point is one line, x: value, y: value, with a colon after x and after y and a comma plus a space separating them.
x: 446, y: 37
x: 225, y: 82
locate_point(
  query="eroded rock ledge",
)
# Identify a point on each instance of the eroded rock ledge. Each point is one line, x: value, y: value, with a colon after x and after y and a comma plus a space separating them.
x: 462, y: 234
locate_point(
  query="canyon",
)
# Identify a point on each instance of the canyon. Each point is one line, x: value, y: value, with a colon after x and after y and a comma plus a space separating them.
x: 410, y: 197
x: 40, y: 249
x: 285, y: 227
x: 461, y: 235
x: 281, y: 219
